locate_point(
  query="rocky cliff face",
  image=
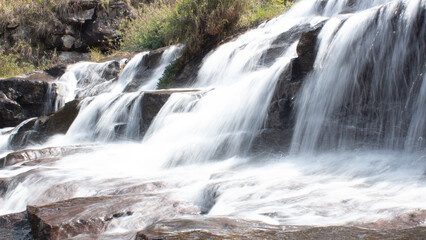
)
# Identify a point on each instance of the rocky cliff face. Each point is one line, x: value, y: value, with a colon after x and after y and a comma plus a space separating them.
x: 79, y: 25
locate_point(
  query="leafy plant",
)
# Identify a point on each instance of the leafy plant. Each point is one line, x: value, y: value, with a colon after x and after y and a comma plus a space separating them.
x: 169, y: 75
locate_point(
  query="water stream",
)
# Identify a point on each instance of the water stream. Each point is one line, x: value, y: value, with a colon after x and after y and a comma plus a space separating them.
x: 357, y: 153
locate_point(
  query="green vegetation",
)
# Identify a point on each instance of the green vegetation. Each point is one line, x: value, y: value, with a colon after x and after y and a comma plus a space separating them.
x: 38, y: 16
x: 196, y: 23
x: 23, y: 58
x: 169, y: 74
x: 199, y: 24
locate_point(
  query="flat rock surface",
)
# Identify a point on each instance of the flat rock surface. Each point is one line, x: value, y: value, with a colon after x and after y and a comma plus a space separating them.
x: 228, y: 228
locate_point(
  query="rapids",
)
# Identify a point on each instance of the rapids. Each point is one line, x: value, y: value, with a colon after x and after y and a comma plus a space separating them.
x: 357, y: 152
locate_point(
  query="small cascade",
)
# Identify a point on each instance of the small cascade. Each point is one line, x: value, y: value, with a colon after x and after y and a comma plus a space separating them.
x: 116, y: 114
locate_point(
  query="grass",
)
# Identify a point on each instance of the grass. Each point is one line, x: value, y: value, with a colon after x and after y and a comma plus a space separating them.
x: 195, y: 23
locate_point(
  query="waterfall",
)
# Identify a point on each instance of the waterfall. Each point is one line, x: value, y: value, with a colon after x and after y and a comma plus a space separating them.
x: 101, y: 118
x: 364, y: 90
x: 357, y: 145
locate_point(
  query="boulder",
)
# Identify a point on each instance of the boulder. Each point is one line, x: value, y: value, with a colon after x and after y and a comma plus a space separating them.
x: 24, y: 98
x: 92, y: 215
x: 38, y: 130
x: 204, y: 227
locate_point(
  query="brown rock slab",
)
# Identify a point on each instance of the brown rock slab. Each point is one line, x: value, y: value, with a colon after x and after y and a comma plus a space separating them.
x: 91, y: 216
x: 203, y: 227
x: 404, y: 221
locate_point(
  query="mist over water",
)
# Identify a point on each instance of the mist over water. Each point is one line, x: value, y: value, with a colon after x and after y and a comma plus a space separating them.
x: 357, y: 153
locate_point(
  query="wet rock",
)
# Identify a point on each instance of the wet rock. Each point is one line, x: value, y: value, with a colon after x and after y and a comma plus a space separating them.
x: 282, y: 42
x: 145, y: 69
x: 152, y: 102
x: 277, y: 132
x: 15, y: 227
x: 92, y: 215
x: 404, y: 221
x: 111, y: 71
x: 31, y: 95
x: 228, y: 228
x: 306, y: 53
x: 8, y: 184
x: 46, y: 154
x: 40, y: 129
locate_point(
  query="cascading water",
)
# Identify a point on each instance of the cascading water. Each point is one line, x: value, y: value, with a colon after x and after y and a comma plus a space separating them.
x: 357, y: 153
x: 370, y: 66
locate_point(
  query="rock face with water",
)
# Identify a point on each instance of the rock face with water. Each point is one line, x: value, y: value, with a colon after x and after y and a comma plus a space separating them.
x: 277, y: 132
x: 38, y: 130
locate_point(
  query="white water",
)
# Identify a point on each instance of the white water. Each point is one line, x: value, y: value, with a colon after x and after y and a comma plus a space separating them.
x: 197, y: 146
